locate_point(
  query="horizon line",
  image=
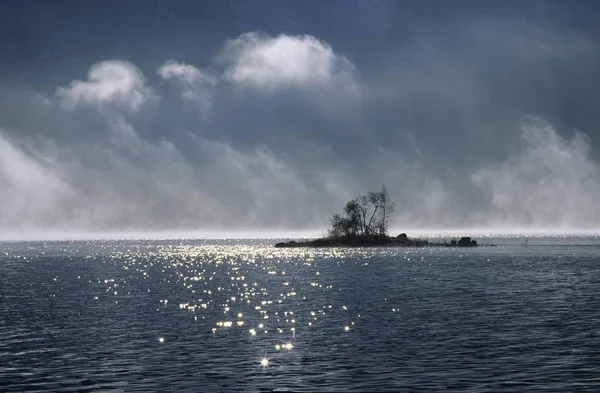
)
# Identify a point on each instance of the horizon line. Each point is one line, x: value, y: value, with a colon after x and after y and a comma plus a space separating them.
x: 287, y: 234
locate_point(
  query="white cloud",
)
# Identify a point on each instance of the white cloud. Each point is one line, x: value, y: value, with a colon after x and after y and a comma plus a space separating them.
x: 196, y: 86
x: 268, y: 63
x: 114, y: 83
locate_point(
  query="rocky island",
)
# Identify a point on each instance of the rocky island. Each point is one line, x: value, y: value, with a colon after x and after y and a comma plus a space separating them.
x: 365, y: 224
x: 401, y: 240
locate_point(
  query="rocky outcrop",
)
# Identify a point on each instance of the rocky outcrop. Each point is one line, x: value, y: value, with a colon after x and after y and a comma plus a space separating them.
x: 466, y: 242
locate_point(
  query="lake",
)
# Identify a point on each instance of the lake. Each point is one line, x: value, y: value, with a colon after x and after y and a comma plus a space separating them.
x: 240, y: 315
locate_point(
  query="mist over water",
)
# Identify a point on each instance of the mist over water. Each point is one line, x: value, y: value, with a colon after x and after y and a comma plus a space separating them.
x: 548, y: 184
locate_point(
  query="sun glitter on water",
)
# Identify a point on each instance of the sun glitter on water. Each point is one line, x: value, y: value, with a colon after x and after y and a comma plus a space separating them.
x: 264, y: 362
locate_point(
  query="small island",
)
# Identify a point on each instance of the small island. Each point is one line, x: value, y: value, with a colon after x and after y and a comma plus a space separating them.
x: 365, y: 224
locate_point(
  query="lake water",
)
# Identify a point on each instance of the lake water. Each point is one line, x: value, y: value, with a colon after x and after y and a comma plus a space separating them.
x: 240, y: 315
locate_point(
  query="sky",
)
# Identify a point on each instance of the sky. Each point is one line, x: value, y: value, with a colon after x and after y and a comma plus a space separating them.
x: 269, y: 115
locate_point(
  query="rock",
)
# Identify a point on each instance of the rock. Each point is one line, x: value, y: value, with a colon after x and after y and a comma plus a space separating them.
x: 320, y: 243
x: 402, y: 237
x: 466, y: 241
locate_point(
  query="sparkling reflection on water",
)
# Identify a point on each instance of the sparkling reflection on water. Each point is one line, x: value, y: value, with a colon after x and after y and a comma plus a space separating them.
x: 236, y: 315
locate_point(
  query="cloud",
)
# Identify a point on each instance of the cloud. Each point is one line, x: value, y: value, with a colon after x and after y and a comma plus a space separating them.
x: 267, y: 63
x: 196, y: 86
x: 114, y: 83
x: 550, y: 182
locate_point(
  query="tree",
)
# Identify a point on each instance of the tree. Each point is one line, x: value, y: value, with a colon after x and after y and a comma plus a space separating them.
x: 364, y: 216
x: 353, y: 217
x: 338, y: 226
x: 387, y: 209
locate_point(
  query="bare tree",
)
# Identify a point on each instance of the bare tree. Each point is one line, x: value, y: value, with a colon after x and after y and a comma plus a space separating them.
x: 374, y: 199
x: 364, y: 216
x: 338, y: 226
x: 353, y: 217
x: 387, y: 209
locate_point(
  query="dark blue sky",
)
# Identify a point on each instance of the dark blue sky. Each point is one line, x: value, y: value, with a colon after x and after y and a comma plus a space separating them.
x: 42, y: 36
x: 206, y: 114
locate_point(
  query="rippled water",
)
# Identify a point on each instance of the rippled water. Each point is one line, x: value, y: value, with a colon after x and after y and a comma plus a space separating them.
x: 239, y: 315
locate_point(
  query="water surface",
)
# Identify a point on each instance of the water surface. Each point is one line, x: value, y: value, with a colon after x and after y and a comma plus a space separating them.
x: 240, y: 315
